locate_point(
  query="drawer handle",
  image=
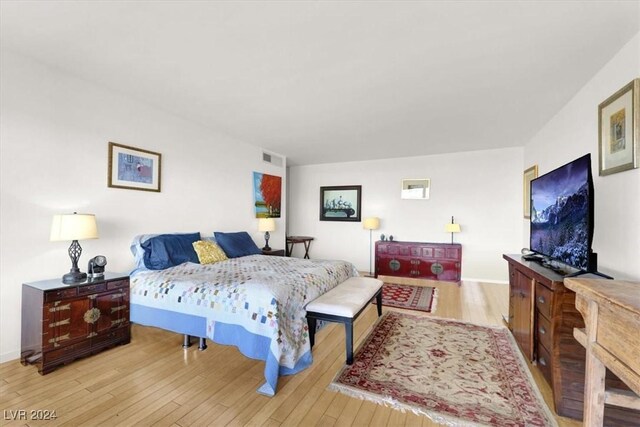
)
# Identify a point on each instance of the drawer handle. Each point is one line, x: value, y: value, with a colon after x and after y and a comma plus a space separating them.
x: 542, y: 362
x: 541, y: 300
x: 542, y: 330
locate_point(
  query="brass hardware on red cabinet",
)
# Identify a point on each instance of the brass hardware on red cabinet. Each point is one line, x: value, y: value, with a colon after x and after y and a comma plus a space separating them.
x: 59, y: 323
x: 60, y: 308
x: 91, y: 315
x: 118, y: 308
x: 56, y: 340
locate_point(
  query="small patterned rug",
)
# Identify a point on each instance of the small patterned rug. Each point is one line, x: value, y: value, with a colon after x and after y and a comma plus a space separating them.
x: 421, y: 298
x: 453, y: 372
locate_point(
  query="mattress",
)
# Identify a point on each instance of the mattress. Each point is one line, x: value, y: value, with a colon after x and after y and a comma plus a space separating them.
x: 256, y: 303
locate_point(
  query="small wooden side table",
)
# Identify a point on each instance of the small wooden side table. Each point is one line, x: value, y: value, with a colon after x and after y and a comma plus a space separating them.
x: 292, y: 240
x: 611, y: 311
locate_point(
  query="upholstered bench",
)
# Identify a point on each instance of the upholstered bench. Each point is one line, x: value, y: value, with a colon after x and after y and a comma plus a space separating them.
x: 343, y: 304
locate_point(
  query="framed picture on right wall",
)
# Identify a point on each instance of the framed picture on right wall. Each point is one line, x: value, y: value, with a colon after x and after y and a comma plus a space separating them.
x: 528, y: 176
x: 619, y: 130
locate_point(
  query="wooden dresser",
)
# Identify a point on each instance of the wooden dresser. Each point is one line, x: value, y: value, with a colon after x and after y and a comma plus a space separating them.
x: 436, y: 261
x: 61, y: 322
x: 542, y: 316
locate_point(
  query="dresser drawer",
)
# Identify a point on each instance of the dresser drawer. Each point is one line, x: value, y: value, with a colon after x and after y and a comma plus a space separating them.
x: 544, y: 300
x: 60, y: 294
x: 92, y: 289
x: 543, y: 330
x: 543, y: 360
x: 117, y: 284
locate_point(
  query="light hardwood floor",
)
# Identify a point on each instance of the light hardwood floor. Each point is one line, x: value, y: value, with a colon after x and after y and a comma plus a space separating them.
x: 152, y: 381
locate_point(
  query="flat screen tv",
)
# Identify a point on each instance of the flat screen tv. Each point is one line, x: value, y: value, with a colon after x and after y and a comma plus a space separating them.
x: 562, y: 214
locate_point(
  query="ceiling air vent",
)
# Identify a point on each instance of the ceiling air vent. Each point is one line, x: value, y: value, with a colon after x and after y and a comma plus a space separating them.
x: 271, y: 158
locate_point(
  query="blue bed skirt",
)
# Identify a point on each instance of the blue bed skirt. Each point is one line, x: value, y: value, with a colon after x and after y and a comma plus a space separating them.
x: 251, y: 345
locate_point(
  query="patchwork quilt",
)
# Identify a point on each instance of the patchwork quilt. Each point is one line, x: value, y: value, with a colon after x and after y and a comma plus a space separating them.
x: 255, y: 303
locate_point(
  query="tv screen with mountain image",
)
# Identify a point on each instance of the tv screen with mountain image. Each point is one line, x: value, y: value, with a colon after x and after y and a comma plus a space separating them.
x: 562, y: 214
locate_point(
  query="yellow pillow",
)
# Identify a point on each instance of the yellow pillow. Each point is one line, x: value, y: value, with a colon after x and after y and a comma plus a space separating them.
x: 208, y: 252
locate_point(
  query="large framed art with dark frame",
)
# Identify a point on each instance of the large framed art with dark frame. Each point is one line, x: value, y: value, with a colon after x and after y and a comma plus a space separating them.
x: 340, y: 203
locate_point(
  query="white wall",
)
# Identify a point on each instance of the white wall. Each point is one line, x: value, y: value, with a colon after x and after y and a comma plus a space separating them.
x: 482, y: 189
x: 572, y: 133
x: 54, y: 137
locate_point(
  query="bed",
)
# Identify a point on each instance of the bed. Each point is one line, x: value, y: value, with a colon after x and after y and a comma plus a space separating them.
x: 253, y: 302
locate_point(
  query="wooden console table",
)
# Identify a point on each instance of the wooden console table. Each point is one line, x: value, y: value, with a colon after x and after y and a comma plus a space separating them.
x: 611, y: 310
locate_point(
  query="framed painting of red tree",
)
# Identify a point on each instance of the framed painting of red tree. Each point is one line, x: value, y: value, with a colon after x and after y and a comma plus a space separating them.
x: 267, y: 191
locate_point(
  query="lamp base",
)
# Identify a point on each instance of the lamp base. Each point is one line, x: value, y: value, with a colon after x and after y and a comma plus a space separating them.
x: 74, y: 277
x: 266, y: 241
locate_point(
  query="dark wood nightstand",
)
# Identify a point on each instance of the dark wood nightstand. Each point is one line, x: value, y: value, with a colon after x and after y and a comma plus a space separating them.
x: 63, y: 322
x: 274, y: 252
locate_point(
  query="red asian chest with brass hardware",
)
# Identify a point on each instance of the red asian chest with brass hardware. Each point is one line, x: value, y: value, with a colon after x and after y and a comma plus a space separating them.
x: 61, y: 322
x: 436, y: 261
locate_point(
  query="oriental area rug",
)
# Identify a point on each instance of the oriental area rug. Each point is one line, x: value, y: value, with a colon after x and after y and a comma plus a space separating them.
x: 453, y: 372
x: 420, y: 298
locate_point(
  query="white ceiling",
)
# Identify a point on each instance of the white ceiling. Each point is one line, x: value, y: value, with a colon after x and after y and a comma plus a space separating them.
x: 336, y: 81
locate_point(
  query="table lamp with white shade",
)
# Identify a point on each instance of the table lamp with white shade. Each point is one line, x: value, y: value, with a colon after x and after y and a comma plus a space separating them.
x: 266, y: 225
x: 74, y: 227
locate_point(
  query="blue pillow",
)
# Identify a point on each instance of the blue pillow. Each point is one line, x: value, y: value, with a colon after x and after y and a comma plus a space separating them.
x: 237, y: 244
x: 169, y: 250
